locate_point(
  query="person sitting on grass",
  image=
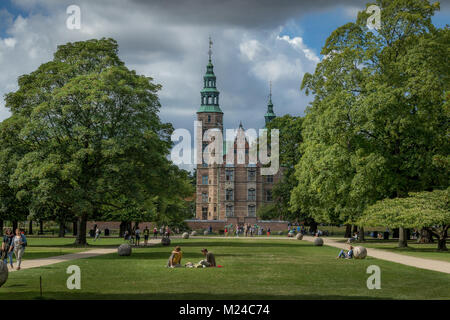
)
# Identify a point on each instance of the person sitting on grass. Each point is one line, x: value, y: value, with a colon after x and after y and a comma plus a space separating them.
x: 175, y: 258
x: 210, y: 260
x: 347, y: 255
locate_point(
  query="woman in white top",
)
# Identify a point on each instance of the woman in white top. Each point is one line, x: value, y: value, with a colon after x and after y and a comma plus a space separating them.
x: 19, y: 247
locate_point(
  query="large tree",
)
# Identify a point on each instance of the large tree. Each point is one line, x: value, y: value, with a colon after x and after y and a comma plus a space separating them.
x: 378, y: 118
x: 421, y: 210
x: 96, y: 140
x: 12, y: 208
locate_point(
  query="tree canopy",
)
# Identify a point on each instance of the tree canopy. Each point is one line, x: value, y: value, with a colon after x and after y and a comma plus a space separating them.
x: 95, y: 142
x: 378, y: 125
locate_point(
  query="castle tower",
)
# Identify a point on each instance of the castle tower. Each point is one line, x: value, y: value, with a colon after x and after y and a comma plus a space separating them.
x: 270, y: 115
x: 211, y: 117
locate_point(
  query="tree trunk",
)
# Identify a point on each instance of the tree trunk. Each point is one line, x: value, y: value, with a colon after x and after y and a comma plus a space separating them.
x: 425, y: 236
x: 41, y: 227
x: 15, y: 224
x: 1, y: 227
x: 442, y: 246
x: 314, y: 226
x: 361, y: 234
x: 402, y: 242
x: 74, y: 228
x: 122, y: 229
x: 355, y: 229
x: 62, y: 229
x: 81, y: 234
x: 348, y: 231
x: 30, y: 227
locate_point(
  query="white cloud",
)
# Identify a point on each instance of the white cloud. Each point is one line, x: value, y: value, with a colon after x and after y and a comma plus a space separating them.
x: 174, y: 54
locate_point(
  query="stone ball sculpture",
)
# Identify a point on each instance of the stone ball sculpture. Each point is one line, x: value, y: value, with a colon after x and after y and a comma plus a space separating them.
x: 194, y: 233
x: 185, y: 235
x: 3, y: 273
x: 165, y: 241
x: 299, y: 236
x: 359, y: 252
x: 124, y: 249
x: 206, y: 232
x: 318, y: 242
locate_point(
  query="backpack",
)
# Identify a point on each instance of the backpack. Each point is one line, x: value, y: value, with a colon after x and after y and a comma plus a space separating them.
x: 24, y: 240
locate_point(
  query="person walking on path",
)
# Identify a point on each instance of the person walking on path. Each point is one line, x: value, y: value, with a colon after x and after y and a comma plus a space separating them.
x: 19, y: 242
x: 7, y: 247
x: 268, y: 231
x: 138, y: 235
x: 155, y: 233
x: 97, y: 233
x: 146, y: 234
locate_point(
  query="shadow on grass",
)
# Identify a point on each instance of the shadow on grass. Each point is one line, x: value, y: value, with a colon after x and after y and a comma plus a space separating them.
x: 180, y: 296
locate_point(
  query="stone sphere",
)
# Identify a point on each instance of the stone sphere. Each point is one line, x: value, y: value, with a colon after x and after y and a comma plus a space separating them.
x: 124, y: 249
x: 3, y: 273
x: 359, y: 252
x: 185, y: 235
x: 318, y: 241
x: 299, y: 236
x: 194, y: 233
x: 206, y: 232
x: 165, y: 241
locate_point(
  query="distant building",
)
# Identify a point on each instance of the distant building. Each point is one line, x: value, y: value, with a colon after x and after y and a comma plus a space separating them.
x: 229, y: 192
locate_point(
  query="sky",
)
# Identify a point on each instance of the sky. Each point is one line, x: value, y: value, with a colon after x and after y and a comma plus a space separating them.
x: 254, y: 42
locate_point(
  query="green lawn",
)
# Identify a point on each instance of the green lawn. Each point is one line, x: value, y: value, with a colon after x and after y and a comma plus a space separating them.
x: 420, y: 250
x: 257, y: 269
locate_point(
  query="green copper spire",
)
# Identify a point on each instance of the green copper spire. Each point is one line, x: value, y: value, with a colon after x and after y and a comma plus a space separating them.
x: 270, y: 115
x: 209, y: 94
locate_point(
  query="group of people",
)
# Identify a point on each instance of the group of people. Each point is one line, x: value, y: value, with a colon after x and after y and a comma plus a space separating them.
x: 246, y: 230
x: 135, y: 235
x: 13, y: 243
x: 176, y: 255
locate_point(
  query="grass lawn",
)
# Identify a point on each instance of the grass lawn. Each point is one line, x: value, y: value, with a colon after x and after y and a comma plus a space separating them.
x: 420, y: 250
x: 258, y: 269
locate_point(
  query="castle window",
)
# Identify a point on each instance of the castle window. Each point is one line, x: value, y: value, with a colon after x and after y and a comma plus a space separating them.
x: 204, y: 197
x: 251, y: 194
x: 269, y: 195
x: 229, y: 211
x: 205, y: 213
x: 205, y: 179
x: 269, y: 179
x: 229, y: 175
x: 251, y: 175
x: 209, y: 118
x: 229, y: 195
x: 252, y: 211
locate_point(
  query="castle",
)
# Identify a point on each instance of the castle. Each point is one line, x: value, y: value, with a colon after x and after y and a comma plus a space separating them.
x: 229, y: 192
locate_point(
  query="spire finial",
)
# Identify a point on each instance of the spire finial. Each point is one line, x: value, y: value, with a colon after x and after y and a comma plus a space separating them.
x: 270, y: 90
x: 210, y: 48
